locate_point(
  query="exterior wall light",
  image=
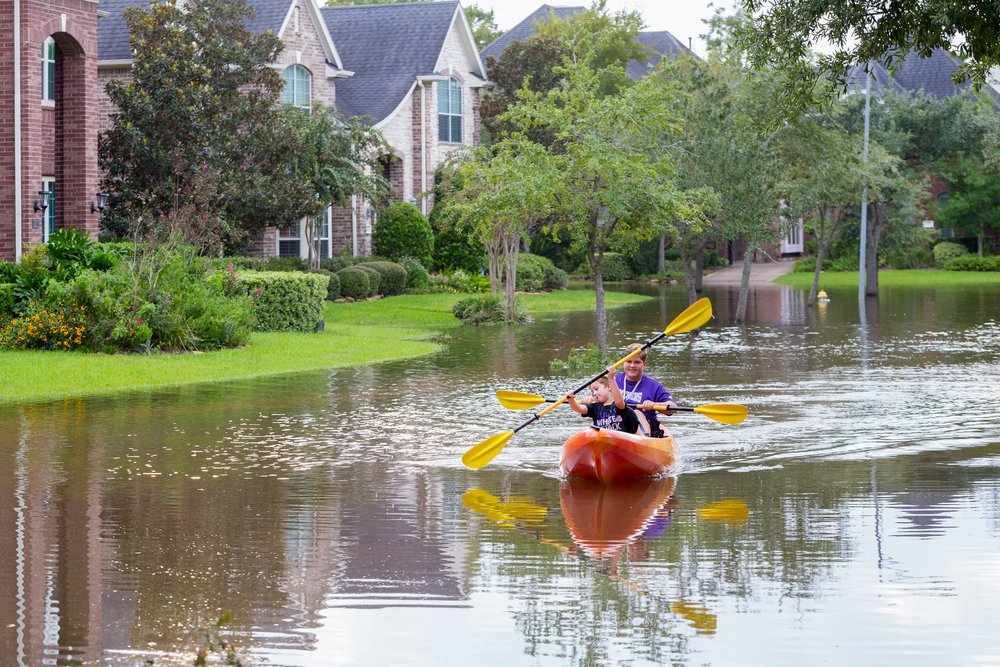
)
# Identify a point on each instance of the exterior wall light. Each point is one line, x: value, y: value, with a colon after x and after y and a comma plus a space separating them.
x: 102, y: 203
x: 44, y: 196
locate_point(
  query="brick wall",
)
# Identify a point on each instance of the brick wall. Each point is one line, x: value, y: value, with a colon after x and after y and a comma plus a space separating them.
x: 59, y: 141
x: 303, y: 47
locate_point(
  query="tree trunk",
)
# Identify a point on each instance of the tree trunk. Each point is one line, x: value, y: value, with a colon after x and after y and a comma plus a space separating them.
x: 311, y: 261
x: 511, y: 250
x: 820, y: 248
x: 699, y: 269
x: 596, y: 259
x: 982, y: 233
x: 741, y: 307
x: 686, y: 261
x: 661, y: 264
x: 877, y: 212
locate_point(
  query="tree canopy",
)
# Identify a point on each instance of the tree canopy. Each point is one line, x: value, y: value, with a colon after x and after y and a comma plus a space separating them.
x: 198, y: 124
x: 783, y: 33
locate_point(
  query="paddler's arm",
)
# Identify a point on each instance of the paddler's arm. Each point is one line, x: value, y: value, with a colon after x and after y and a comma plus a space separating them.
x: 582, y: 409
x: 616, y: 393
x: 648, y: 405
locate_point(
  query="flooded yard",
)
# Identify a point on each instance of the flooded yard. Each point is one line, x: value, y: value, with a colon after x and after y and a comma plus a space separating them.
x: 853, y: 518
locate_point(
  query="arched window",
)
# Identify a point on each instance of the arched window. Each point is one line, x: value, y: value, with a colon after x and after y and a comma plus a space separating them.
x: 450, y: 111
x: 298, y: 87
x: 49, y: 70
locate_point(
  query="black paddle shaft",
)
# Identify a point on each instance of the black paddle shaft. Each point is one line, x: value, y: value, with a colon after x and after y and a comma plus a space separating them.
x: 649, y: 343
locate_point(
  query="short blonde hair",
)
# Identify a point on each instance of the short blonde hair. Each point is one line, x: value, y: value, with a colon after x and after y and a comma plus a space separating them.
x: 604, y: 379
x: 636, y: 346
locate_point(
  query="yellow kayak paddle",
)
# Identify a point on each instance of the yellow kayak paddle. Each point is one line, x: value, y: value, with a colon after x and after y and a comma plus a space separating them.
x: 693, y: 317
x: 721, y: 412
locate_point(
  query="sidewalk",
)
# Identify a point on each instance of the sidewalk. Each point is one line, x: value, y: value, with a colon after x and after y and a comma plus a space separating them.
x: 765, y: 272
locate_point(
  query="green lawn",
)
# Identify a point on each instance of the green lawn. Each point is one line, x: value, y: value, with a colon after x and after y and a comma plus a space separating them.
x: 913, y: 278
x: 355, y: 334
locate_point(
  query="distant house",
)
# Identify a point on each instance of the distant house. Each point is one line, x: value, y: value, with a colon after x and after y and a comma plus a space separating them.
x: 933, y: 77
x: 413, y: 68
x: 662, y: 42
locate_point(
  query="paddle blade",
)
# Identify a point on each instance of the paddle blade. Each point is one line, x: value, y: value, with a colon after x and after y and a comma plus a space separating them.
x: 696, y: 315
x: 515, y: 400
x: 484, y: 452
x: 727, y: 414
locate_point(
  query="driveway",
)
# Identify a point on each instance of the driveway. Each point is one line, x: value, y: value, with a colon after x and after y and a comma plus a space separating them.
x: 764, y: 272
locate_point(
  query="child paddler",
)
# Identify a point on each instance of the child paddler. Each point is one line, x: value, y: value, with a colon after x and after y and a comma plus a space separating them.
x: 607, y: 407
x: 638, y: 388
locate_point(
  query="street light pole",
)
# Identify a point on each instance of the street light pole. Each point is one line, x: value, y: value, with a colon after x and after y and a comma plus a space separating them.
x: 864, y: 196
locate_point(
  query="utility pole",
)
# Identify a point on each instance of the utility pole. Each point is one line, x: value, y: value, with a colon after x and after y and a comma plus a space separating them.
x: 864, y: 196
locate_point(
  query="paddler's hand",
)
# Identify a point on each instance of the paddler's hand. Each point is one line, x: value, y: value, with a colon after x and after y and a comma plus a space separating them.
x: 668, y: 412
x: 570, y: 395
x: 611, y: 372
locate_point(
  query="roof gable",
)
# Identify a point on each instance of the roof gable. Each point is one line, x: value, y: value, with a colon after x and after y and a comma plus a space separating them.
x: 664, y: 44
x: 387, y: 47
x: 932, y: 75
x: 526, y: 28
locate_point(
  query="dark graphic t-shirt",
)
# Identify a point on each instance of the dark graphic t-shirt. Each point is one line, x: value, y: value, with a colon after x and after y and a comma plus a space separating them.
x: 612, y: 417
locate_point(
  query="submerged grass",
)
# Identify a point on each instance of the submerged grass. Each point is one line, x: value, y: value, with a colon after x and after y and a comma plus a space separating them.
x: 903, y: 278
x: 355, y: 334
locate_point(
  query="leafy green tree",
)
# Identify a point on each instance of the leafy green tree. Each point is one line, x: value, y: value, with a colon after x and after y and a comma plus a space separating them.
x: 784, y: 31
x: 198, y: 126
x: 531, y: 65
x: 619, y: 47
x: 974, y: 199
x: 613, y: 176
x: 484, y: 26
x: 337, y: 158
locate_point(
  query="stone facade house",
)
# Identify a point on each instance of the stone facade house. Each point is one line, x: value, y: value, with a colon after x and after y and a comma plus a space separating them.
x: 412, y: 68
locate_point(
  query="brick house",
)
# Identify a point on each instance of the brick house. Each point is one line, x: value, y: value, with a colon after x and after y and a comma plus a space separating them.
x: 48, y: 131
x: 389, y: 62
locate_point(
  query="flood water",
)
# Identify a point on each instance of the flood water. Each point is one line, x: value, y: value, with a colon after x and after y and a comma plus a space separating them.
x: 853, y: 519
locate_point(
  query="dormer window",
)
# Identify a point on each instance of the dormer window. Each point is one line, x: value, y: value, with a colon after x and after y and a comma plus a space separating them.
x: 450, y: 111
x: 298, y: 87
x: 49, y: 71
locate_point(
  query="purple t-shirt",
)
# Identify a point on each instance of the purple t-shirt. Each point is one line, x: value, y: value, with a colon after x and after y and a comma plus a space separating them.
x: 645, y: 389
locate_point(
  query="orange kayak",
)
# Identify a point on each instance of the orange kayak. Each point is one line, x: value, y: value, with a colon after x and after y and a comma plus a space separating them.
x: 613, y: 455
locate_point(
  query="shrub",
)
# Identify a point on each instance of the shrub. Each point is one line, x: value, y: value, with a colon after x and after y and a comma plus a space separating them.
x: 8, y: 270
x: 487, y: 308
x: 285, y: 301
x: 588, y: 358
x: 536, y: 273
x: 845, y: 263
x: 374, y: 279
x: 6, y: 300
x: 283, y: 264
x: 416, y: 275
x: 333, y: 287
x: 456, y: 247
x: 241, y: 263
x: 808, y: 265
x: 614, y: 266
x: 947, y: 251
x: 672, y: 255
x: 393, y: 277
x: 46, y: 327
x: 353, y: 282
x: 402, y: 231
x: 967, y: 262
x: 712, y: 259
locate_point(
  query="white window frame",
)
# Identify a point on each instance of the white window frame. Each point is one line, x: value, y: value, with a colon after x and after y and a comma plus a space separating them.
x: 49, y: 214
x: 299, y: 98
x: 447, y: 92
x: 287, y: 235
x: 793, y: 241
x: 323, y: 238
x: 48, y: 72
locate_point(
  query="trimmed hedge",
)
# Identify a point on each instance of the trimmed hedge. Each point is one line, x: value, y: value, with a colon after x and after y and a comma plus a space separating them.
x: 374, y: 279
x: 6, y: 300
x: 393, y: 277
x: 614, y: 266
x: 402, y: 231
x: 535, y: 273
x: 333, y: 288
x: 353, y: 282
x: 285, y: 301
x: 808, y: 265
x: 968, y: 262
x: 943, y: 252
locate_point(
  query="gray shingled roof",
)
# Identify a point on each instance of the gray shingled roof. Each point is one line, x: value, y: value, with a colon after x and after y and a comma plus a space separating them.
x: 932, y: 75
x: 664, y: 44
x: 113, y: 35
x: 525, y: 29
x: 387, y: 47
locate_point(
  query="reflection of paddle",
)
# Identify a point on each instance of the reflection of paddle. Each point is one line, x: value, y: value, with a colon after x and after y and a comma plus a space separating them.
x: 693, y: 317
x: 721, y: 412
